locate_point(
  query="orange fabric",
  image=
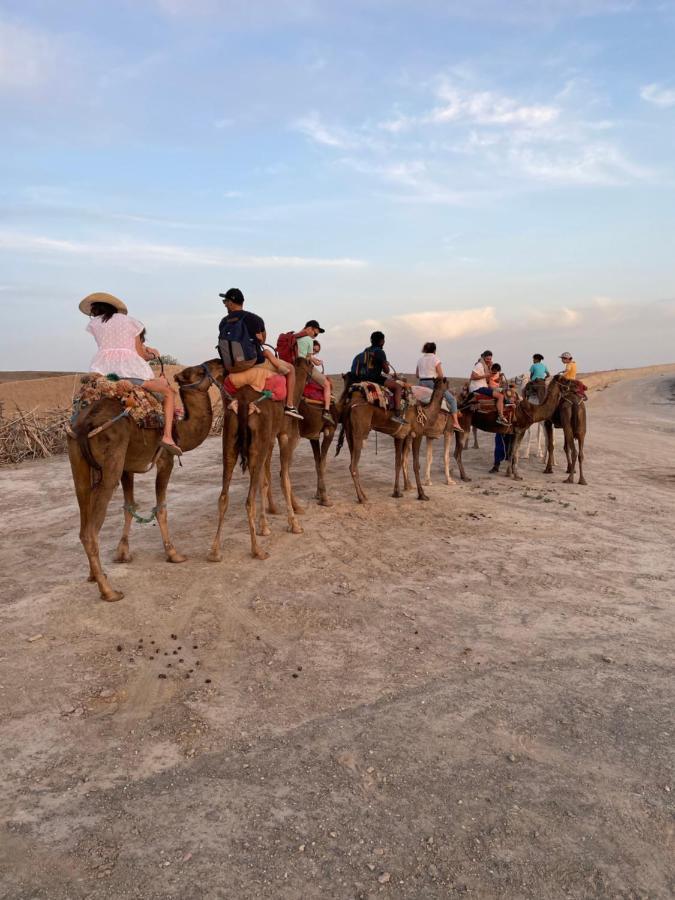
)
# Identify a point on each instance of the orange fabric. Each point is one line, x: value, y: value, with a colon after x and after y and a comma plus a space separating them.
x: 256, y: 377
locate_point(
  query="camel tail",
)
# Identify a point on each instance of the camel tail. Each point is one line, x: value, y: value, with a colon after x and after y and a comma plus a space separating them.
x: 341, y: 439
x: 243, y: 433
x: 81, y: 433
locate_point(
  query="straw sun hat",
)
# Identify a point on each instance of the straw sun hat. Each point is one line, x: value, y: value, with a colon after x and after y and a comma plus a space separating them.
x: 86, y: 304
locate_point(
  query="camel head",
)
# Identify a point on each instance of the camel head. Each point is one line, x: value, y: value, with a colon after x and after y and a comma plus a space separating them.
x: 201, y: 377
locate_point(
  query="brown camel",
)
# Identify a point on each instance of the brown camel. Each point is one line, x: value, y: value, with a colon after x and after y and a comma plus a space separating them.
x: 570, y: 415
x: 525, y: 415
x: 359, y: 417
x: 118, y: 453
x: 442, y: 426
x: 249, y: 433
x: 320, y: 434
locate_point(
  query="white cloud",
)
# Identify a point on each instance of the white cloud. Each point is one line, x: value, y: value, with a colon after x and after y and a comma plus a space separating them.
x: 27, y: 58
x: 589, y: 164
x: 488, y: 108
x: 450, y: 324
x: 136, y: 253
x: 554, y: 318
x: 658, y: 95
x: 314, y: 128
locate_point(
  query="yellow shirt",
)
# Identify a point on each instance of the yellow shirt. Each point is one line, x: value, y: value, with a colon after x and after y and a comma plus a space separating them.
x: 570, y: 370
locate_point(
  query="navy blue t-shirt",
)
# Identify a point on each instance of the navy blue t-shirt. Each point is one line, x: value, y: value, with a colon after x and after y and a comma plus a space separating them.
x: 375, y: 361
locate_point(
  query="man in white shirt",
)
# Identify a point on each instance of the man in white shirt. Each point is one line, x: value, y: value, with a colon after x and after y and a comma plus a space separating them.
x: 479, y: 383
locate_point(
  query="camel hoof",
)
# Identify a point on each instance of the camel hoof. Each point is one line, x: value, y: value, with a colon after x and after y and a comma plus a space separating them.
x: 298, y: 510
x: 397, y: 495
x: 214, y: 556
x: 517, y: 477
x: 451, y: 481
x: 295, y: 528
x: 325, y: 502
x: 428, y: 483
x: 465, y: 478
x: 422, y: 497
x: 548, y: 471
x: 260, y: 554
x: 112, y: 597
x: 122, y: 557
x: 176, y: 557
x: 582, y: 481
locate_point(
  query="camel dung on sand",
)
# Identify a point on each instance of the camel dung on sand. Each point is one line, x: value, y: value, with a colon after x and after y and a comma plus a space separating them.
x: 122, y: 450
x: 360, y: 417
x: 251, y: 427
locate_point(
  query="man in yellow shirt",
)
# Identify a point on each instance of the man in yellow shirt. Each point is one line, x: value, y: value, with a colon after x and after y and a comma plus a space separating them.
x: 570, y: 372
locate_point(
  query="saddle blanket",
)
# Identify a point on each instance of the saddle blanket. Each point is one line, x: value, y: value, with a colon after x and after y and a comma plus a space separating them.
x: 142, y: 406
x: 422, y: 396
x: 374, y: 394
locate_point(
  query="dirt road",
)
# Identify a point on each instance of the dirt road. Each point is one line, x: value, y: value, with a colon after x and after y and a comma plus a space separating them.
x: 471, y: 696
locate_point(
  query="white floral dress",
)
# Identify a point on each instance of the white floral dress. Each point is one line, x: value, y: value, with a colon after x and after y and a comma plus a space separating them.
x: 117, y: 352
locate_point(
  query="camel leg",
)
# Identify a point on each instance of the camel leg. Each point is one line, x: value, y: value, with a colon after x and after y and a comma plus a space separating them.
x: 447, y: 444
x: 475, y: 438
x: 256, y: 468
x: 512, y: 462
x: 417, y: 443
x: 549, y: 447
x: 459, y: 447
x: 355, y: 446
x: 524, y: 453
x: 286, y: 455
x: 320, y: 456
x: 229, y: 462
x: 263, y: 528
x: 569, y: 450
x: 430, y: 458
x: 398, y: 462
x: 405, y: 459
x: 97, y: 500
x: 582, y: 480
x: 164, y: 470
x: 272, y: 508
x: 122, y: 554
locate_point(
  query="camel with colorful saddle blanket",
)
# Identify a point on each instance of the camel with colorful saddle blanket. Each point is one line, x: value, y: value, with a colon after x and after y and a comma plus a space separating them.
x: 115, y: 433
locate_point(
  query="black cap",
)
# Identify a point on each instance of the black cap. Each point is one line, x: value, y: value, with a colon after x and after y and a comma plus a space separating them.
x: 314, y: 324
x: 235, y: 295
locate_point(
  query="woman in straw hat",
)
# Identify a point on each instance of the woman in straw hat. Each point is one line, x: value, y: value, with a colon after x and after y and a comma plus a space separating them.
x: 121, y: 352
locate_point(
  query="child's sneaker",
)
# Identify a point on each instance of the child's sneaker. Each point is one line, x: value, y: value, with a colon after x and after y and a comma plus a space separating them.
x: 293, y: 413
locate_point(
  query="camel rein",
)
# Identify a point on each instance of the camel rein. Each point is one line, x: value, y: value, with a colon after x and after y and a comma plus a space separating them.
x: 143, y: 520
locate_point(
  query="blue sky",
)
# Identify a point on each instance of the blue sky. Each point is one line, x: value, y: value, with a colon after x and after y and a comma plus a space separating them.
x: 480, y: 174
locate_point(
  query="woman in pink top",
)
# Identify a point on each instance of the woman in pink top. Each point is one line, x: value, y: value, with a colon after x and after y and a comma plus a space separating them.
x: 121, y: 352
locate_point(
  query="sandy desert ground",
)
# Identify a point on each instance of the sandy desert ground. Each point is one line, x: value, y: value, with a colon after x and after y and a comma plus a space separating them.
x: 466, y: 697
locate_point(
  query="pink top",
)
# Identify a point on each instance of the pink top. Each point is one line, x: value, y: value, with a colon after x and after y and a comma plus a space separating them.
x: 117, y: 352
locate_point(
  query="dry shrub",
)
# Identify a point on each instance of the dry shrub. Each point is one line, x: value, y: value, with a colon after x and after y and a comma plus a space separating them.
x: 32, y: 435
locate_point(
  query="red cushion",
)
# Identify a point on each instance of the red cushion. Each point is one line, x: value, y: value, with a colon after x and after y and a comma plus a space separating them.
x: 313, y: 391
x: 276, y: 384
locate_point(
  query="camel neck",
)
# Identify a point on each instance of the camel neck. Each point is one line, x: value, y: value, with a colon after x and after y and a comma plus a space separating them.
x: 196, y: 425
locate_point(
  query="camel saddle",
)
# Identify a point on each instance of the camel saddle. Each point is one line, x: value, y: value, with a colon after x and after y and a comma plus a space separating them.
x: 422, y: 396
x: 275, y: 387
x: 570, y: 389
x: 380, y: 396
x: 141, y: 406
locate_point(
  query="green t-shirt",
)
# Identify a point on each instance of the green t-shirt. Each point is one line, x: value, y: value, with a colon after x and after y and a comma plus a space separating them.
x: 305, y: 346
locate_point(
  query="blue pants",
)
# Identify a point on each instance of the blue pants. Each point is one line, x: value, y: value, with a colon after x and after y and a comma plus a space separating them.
x: 502, y: 447
x: 449, y: 397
